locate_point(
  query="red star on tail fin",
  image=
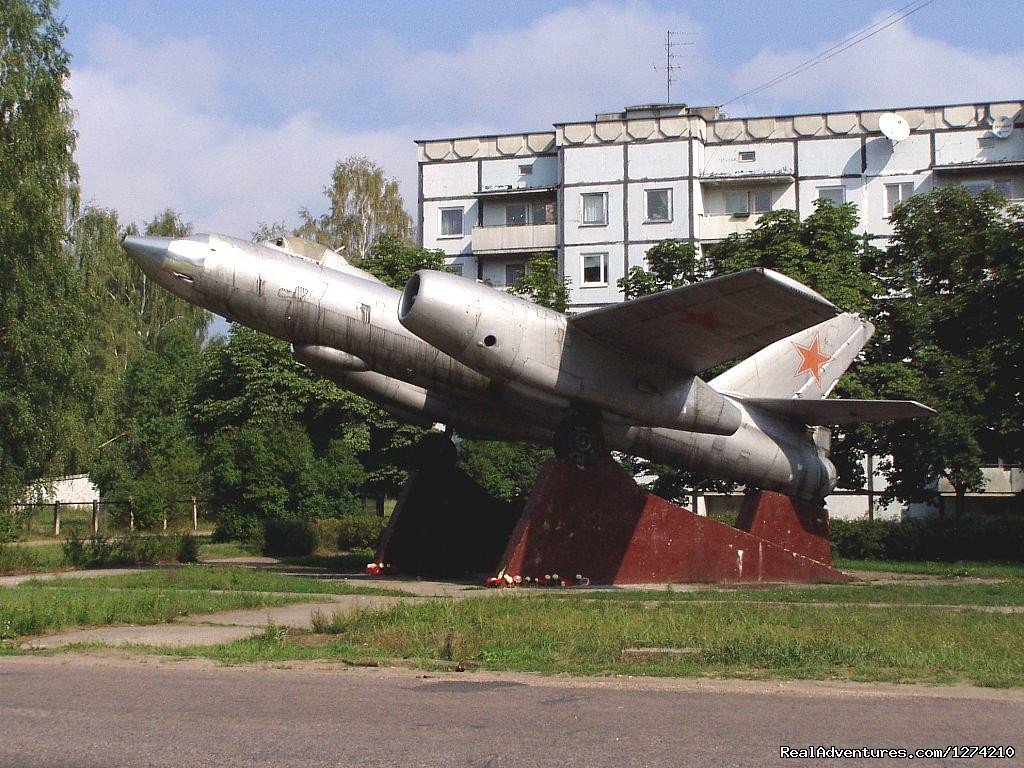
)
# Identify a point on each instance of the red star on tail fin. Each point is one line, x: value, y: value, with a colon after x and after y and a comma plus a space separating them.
x: 812, y: 359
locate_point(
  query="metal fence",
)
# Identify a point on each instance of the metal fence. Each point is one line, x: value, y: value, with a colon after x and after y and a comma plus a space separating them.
x: 107, y: 516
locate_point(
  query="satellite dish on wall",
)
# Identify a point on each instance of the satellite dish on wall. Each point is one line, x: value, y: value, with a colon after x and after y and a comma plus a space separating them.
x: 1002, y: 126
x: 893, y: 127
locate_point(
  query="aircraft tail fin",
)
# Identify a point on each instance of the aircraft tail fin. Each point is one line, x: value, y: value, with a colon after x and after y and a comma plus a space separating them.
x: 803, y: 366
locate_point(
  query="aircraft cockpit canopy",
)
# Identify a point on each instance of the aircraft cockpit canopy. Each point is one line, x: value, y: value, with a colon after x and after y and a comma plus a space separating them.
x: 306, y: 249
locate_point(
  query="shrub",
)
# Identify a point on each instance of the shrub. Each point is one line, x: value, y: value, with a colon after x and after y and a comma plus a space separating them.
x: 14, y: 560
x: 327, y: 531
x: 287, y: 538
x: 132, y: 549
x: 359, y: 531
x: 942, y: 539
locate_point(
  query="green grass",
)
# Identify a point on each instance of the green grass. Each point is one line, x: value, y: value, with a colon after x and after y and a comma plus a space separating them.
x: 549, y: 635
x: 932, y: 568
x: 209, y: 549
x: 36, y: 608
x: 1009, y: 593
x: 210, y: 577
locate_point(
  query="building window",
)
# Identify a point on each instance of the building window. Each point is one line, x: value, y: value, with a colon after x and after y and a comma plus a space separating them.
x: 737, y: 203
x: 451, y: 222
x: 748, y: 156
x: 595, y: 269
x: 896, y: 194
x: 1003, y: 186
x: 456, y: 268
x: 542, y: 213
x: 513, y: 272
x: 521, y: 214
x: 595, y: 208
x: 515, y: 215
x: 835, y: 195
x: 525, y: 170
x: 659, y: 204
x: 745, y: 202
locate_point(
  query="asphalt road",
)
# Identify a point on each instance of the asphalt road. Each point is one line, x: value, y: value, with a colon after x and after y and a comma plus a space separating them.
x: 83, y: 711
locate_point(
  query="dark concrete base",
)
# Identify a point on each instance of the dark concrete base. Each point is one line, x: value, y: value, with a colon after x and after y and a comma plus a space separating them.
x: 444, y: 525
x: 597, y: 524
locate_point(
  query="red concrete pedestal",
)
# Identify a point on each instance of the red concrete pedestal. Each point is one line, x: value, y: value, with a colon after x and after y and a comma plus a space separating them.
x: 596, y: 522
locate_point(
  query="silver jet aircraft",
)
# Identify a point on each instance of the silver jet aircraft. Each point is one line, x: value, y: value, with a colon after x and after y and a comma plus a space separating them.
x: 488, y: 364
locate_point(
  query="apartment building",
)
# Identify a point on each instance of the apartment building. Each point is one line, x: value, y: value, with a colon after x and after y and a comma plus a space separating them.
x: 600, y: 193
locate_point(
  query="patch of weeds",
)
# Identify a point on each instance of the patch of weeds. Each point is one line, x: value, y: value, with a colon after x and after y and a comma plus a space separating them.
x: 16, y: 560
x: 134, y: 548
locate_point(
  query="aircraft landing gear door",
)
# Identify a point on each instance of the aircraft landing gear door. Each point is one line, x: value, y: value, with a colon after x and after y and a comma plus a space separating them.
x: 303, y: 312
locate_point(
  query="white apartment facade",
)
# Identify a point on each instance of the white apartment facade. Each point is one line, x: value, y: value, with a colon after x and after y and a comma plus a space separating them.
x: 600, y: 193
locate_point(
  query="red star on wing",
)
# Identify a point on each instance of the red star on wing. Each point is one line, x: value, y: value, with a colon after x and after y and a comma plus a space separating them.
x: 702, y: 318
x: 812, y: 359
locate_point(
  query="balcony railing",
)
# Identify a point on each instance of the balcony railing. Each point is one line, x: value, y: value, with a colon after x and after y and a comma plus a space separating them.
x: 532, y: 237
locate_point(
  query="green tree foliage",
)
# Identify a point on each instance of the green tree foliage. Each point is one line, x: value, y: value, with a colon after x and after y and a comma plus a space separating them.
x: 541, y: 283
x: 144, y: 347
x: 508, y: 471
x: 393, y: 260
x: 277, y: 441
x: 43, y: 374
x: 670, y: 264
x: 362, y: 206
x: 949, y: 336
x: 824, y: 252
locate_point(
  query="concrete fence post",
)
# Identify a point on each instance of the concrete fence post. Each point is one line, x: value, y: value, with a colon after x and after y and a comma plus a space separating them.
x: 131, y: 514
x: 95, y: 517
x: 195, y: 515
x: 56, y: 519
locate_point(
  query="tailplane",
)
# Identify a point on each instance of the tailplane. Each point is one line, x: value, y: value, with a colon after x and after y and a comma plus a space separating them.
x: 792, y: 377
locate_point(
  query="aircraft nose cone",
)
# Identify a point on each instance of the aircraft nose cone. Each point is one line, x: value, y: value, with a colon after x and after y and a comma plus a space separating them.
x: 148, y: 252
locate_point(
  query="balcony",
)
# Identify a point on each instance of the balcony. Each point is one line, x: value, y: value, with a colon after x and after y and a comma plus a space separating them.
x: 515, y: 239
x: 719, y: 227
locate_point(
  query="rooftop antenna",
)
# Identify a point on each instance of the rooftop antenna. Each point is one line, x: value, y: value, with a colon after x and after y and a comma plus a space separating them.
x: 670, y: 57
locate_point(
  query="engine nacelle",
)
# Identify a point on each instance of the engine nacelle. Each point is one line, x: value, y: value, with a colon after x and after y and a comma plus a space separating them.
x: 514, y: 340
x: 325, y: 360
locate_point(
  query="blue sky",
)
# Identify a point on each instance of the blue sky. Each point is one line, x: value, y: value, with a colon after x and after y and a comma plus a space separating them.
x: 234, y: 113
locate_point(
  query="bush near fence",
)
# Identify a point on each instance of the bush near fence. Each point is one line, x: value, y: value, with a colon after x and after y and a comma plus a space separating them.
x: 132, y: 549
x: 297, y: 537
x: 934, y: 538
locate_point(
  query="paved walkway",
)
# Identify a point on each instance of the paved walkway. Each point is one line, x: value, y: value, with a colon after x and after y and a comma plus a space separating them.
x: 214, y: 628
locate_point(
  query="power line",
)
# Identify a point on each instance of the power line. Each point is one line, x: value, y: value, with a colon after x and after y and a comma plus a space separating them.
x: 845, y: 44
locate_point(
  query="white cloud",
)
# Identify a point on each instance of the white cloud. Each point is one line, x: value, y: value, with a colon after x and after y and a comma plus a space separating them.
x: 141, y: 151
x: 157, y: 126
x: 567, y: 65
x: 897, y: 67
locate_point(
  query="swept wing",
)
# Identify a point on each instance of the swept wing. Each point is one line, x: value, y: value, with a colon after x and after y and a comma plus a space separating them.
x: 698, y: 326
